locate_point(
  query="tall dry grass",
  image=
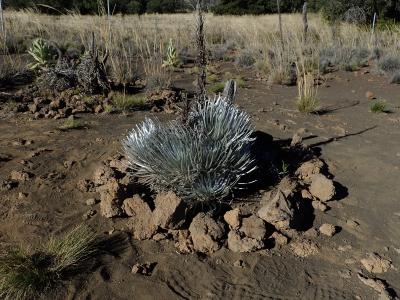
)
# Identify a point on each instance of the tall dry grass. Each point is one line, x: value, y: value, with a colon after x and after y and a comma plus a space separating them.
x: 129, y: 38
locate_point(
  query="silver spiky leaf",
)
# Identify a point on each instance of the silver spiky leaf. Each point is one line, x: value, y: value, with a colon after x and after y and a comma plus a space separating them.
x: 203, y: 161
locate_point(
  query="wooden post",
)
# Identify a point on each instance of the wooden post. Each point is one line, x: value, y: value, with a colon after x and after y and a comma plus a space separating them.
x: 373, y: 35
x: 201, y: 56
x: 3, y: 30
x: 305, y: 20
x: 109, y: 20
x: 280, y: 22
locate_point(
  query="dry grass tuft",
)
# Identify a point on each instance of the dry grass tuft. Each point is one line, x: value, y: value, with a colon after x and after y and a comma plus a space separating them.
x: 307, y: 101
x: 26, y: 275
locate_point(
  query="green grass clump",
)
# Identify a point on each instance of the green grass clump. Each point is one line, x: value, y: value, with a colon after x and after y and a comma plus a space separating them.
x: 378, y: 107
x: 213, y: 78
x: 31, y: 276
x: 307, y: 105
x: 108, y: 109
x: 125, y: 102
x: 71, y: 123
x: 89, y: 100
x: 239, y: 79
x: 216, y: 88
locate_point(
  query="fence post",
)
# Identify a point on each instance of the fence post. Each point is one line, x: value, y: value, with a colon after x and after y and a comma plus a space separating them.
x: 305, y: 21
x: 3, y: 30
x: 109, y: 20
x: 280, y: 22
x: 201, y: 56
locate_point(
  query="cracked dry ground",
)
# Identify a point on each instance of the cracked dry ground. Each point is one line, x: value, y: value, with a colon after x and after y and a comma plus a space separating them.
x: 361, y: 149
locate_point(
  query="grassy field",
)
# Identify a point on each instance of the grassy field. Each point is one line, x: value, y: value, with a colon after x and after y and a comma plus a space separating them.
x: 253, y: 40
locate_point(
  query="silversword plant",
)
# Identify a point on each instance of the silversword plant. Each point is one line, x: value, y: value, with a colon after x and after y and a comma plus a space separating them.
x: 204, y: 160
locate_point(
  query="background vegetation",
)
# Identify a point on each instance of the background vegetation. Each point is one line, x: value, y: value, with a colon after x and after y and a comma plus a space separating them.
x: 332, y: 8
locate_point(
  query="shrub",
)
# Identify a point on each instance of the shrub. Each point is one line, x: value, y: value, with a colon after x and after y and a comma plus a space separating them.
x: 212, y: 78
x: 216, y: 88
x: 389, y: 64
x: 71, y: 123
x: 41, y: 52
x: 348, y: 59
x: 378, y: 107
x: 203, y: 161
x: 172, y: 60
x: 125, y: 102
x: 239, y: 79
x: 219, y: 52
x: 245, y: 60
x: 307, y: 94
x: 395, y: 78
x: 30, y: 276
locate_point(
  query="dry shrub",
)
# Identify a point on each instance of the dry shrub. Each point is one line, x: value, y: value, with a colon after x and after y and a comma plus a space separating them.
x: 307, y: 101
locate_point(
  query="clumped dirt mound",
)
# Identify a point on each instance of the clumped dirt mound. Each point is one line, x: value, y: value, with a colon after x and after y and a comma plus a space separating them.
x: 42, y: 103
x: 281, y: 217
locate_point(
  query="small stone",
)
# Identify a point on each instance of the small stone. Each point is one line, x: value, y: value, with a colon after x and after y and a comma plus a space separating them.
x: 304, y: 248
x: 22, y: 196
x: 283, y: 127
x: 170, y: 211
x: 280, y: 239
x: 311, y: 233
x: 288, y: 186
x: 98, y: 109
x: 277, y: 211
x: 318, y: 205
x: 232, y: 217
x: 206, y: 233
x: 20, y: 176
x: 103, y: 175
x: 91, y: 201
x: 374, y: 263
x: 237, y: 243
x: 141, y: 222
x: 110, y: 206
x: 159, y: 237
x: 302, y: 131
x: 345, y: 248
x: 5, y: 157
x: 239, y: 264
x: 33, y: 108
x: 182, y: 240
x: 308, y: 169
x: 296, y: 140
x: 143, y: 269
x: 322, y: 188
x: 68, y: 164
x: 352, y: 224
x: 253, y: 227
x: 328, y: 229
x: 346, y: 274
x: 370, y: 95
x: 89, y: 214
x: 85, y: 185
x: 306, y: 195
x: 349, y: 261
x: 18, y: 142
x: 7, y: 185
x: 377, y: 284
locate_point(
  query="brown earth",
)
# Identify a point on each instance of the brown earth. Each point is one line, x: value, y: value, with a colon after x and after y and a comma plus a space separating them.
x: 361, y: 149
